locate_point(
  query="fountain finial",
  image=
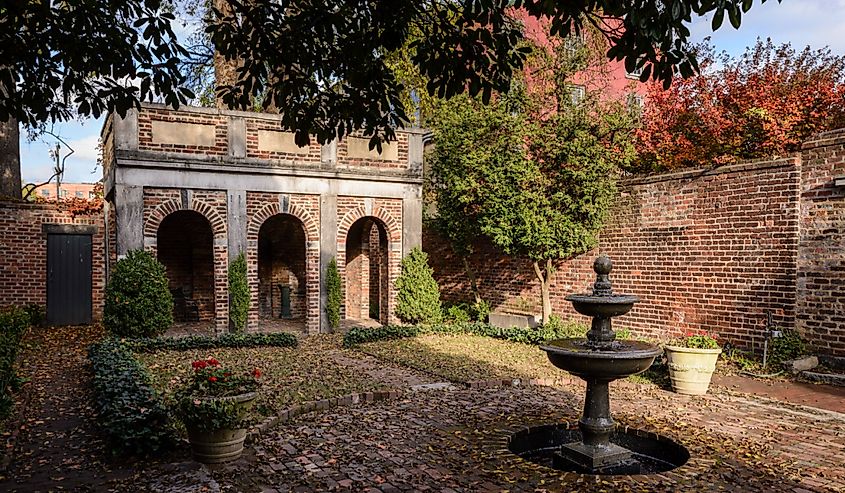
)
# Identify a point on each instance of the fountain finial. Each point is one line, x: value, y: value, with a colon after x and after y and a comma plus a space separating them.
x: 602, y: 266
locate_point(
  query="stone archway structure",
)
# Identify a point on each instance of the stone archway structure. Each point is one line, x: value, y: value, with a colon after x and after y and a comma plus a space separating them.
x: 384, y: 220
x: 220, y: 250
x: 312, y: 260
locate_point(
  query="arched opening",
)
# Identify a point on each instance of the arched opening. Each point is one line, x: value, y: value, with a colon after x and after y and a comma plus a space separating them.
x: 282, y: 286
x: 185, y: 246
x: 366, y: 271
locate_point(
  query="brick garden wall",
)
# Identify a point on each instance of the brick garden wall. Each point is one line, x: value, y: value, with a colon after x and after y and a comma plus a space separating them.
x: 715, y: 250
x: 23, y: 253
x: 821, y: 254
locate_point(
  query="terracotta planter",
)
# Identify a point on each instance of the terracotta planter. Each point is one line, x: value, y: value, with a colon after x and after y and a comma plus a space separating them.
x: 690, y: 369
x: 225, y: 444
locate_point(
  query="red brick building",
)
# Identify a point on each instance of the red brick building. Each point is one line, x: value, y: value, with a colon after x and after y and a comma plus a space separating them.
x: 50, y: 191
x: 198, y: 186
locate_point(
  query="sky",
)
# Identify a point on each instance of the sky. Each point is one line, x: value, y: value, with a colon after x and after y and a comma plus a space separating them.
x: 816, y: 23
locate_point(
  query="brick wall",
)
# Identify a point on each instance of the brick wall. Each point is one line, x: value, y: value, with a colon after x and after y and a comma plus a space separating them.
x: 714, y: 250
x: 23, y: 253
x: 821, y: 254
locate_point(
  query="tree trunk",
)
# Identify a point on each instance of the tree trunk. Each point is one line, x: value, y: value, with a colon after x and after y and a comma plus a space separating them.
x: 225, y: 71
x: 10, y: 151
x: 545, y: 279
x: 472, y: 282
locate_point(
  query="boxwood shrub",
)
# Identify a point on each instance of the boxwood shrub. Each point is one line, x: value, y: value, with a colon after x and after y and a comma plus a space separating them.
x: 230, y: 340
x: 130, y: 411
x: 138, y: 301
x: 13, y: 324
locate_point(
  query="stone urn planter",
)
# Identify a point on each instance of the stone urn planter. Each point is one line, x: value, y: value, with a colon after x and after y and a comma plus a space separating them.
x: 690, y: 369
x: 213, y: 446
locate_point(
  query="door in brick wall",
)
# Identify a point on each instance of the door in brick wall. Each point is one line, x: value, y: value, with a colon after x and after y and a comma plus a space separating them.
x: 68, y: 279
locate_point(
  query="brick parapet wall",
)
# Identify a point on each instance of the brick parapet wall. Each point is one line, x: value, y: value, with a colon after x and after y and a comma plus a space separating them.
x: 712, y: 249
x: 23, y: 253
x: 821, y: 255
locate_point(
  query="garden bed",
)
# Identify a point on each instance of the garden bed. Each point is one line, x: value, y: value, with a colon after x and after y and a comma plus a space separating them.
x: 289, y: 375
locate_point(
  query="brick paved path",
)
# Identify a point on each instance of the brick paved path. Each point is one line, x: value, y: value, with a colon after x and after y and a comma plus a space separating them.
x: 453, y: 441
x: 828, y: 397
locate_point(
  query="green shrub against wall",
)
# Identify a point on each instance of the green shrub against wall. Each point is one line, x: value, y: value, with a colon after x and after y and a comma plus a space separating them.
x: 13, y: 324
x: 138, y: 302
x: 238, y: 294
x: 418, y: 296
x: 333, y: 295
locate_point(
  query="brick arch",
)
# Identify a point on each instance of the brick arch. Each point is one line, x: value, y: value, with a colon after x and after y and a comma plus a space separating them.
x: 390, y: 224
x: 312, y: 232
x: 312, y: 261
x: 168, y: 207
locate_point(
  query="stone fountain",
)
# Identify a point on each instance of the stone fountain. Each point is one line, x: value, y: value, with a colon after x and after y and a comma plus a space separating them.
x: 599, y: 359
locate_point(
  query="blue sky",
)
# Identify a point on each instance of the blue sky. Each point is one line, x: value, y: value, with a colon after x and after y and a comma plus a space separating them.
x: 816, y: 23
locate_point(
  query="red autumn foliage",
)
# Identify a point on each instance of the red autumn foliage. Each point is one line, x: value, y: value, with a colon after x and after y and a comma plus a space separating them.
x: 761, y: 104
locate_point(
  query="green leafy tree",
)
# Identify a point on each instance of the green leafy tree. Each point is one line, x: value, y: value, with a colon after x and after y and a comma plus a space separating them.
x: 238, y: 293
x: 333, y: 294
x: 535, y: 169
x: 138, y: 302
x: 418, y: 296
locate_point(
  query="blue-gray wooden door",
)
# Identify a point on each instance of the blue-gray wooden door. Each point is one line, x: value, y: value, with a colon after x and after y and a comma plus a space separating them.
x: 68, y: 279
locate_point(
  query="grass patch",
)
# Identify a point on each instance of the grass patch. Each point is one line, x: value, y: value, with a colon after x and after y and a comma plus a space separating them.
x: 290, y: 375
x: 464, y: 358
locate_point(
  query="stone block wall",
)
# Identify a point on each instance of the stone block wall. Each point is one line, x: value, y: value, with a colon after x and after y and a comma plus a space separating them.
x: 23, y: 252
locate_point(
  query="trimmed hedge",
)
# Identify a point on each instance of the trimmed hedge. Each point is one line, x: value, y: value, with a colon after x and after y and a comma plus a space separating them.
x: 417, y: 293
x: 333, y: 294
x: 360, y: 335
x: 13, y: 324
x: 130, y: 411
x: 230, y: 340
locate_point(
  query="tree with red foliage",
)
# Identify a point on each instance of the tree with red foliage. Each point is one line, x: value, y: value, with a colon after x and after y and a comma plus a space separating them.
x: 761, y: 104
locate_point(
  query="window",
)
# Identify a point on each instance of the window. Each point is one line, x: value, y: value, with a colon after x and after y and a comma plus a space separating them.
x: 635, y: 101
x: 45, y: 193
x: 79, y: 194
x: 577, y: 93
x: 63, y: 193
x: 92, y: 195
x: 636, y: 73
x: 573, y: 43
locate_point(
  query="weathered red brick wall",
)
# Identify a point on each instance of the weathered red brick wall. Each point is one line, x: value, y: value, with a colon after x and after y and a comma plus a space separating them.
x: 711, y: 250
x: 23, y: 253
x: 821, y: 254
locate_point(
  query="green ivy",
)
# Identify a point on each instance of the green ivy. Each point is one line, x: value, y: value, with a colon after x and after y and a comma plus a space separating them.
x: 129, y: 410
x: 786, y: 347
x: 333, y: 295
x: 13, y: 324
x: 238, y: 293
x: 138, y: 301
x: 418, y: 296
x: 231, y: 340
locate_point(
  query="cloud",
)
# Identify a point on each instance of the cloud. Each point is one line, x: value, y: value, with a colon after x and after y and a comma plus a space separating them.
x: 817, y: 23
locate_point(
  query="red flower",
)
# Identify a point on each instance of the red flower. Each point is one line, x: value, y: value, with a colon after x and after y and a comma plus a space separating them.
x: 213, y: 362
x: 256, y: 373
x: 199, y: 365
x: 212, y: 379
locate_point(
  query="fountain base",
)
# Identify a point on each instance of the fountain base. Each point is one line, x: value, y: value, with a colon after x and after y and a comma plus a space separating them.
x: 602, y: 459
x: 649, y: 453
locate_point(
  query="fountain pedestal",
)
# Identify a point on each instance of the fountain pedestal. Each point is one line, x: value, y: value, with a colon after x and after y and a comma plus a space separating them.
x: 600, y: 359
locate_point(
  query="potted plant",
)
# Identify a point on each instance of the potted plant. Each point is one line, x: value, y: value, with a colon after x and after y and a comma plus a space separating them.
x: 214, y: 408
x: 692, y: 360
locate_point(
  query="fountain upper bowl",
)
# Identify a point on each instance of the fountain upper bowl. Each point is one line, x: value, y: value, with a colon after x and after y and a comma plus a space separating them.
x: 602, y: 306
x: 619, y: 360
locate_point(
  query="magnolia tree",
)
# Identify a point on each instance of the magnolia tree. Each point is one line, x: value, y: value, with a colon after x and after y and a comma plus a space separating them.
x: 534, y: 171
x: 763, y: 103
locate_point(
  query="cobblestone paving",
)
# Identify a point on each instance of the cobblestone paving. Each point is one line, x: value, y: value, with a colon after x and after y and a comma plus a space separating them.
x: 447, y: 441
